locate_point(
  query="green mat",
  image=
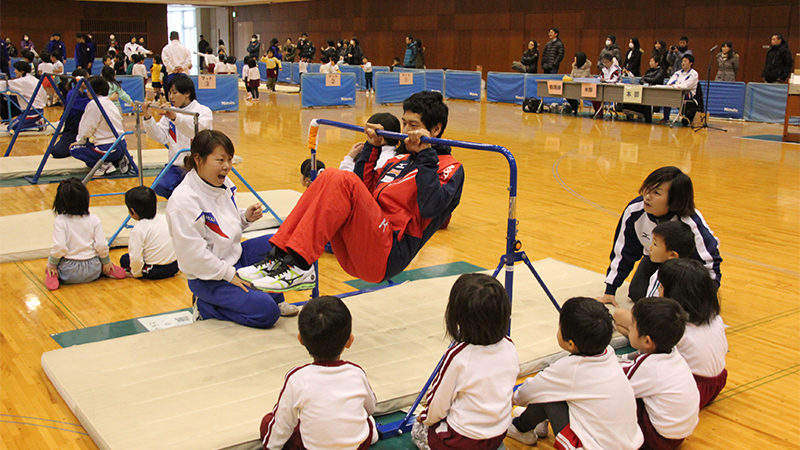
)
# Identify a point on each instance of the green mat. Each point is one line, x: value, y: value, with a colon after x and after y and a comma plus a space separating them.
x: 767, y: 137
x: 50, y: 179
x: 105, y: 331
x: 442, y: 270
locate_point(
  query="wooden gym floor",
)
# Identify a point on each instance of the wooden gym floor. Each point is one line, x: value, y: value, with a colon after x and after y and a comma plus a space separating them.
x: 575, y: 177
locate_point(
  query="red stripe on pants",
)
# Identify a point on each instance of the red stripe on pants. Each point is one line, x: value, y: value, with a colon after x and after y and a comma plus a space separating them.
x: 339, y: 209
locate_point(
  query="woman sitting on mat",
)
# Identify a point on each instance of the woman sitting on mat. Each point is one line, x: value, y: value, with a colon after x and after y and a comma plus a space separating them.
x: 666, y: 194
x: 206, y: 227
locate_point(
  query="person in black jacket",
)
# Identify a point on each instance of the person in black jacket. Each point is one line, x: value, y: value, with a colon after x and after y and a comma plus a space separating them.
x: 654, y: 76
x: 254, y: 47
x: 305, y: 48
x: 633, y: 59
x: 354, y: 55
x: 530, y: 59
x: 779, y: 61
x: 553, y: 53
x: 330, y: 51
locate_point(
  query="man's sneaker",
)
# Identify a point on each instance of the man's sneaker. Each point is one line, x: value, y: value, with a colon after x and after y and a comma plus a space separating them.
x: 288, y: 309
x: 529, y: 437
x: 542, y: 429
x: 105, y: 169
x: 287, y: 278
x: 124, y: 166
x: 259, y: 270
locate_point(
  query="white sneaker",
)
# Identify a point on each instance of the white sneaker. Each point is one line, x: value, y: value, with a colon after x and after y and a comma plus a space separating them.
x: 258, y: 270
x: 529, y: 437
x: 124, y: 166
x: 287, y: 278
x: 288, y: 309
x: 542, y: 429
x: 105, y: 169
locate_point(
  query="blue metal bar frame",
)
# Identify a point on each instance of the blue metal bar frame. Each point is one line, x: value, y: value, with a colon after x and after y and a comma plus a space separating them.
x: 28, y: 108
x: 513, y: 246
x: 113, y: 147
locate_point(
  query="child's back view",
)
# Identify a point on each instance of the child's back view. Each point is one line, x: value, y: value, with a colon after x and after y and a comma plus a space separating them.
x: 327, y: 404
x: 151, y: 255
x: 585, y: 396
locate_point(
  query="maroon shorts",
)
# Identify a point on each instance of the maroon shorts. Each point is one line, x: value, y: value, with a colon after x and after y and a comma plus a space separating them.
x: 567, y: 440
x: 254, y: 83
x: 710, y: 387
x: 211, y: 68
x: 652, y: 440
x: 296, y: 441
x: 451, y: 440
x: 272, y: 73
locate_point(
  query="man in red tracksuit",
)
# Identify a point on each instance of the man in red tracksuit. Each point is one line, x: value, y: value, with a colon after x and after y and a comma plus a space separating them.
x: 375, y: 220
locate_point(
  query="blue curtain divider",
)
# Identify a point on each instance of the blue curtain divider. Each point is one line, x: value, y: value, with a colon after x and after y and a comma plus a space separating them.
x: 285, y: 73
x: 434, y: 80
x: 389, y: 90
x: 375, y: 70
x: 505, y: 87
x: 315, y: 93
x: 725, y: 98
x: 262, y: 71
x: 133, y: 85
x: 239, y: 66
x: 463, y: 84
x: 224, y: 98
x: 357, y: 71
x: 766, y: 102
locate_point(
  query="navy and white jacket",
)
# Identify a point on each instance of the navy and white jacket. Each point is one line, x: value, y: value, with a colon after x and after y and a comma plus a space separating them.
x: 635, y: 232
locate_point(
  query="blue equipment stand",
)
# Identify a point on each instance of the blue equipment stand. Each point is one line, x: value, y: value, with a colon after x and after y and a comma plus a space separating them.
x: 512, y: 255
x: 28, y: 108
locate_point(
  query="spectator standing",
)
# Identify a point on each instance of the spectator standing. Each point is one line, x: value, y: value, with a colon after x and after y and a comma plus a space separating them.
x: 84, y: 54
x: 26, y: 44
x: 112, y: 48
x: 276, y: 52
x: 420, y: 60
x: 530, y: 59
x: 659, y: 53
x: 202, y: 46
x: 57, y: 44
x: 727, y: 63
x: 222, y: 52
x: 289, y: 50
x: 330, y: 51
x: 177, y: 60
x: 553, y: 52
x: 354, y: 55
x: 305, y: 48
x: 12, y: 51
x: 633, y: 59
x: 409, y: 60
x: 779, y: 61
x: 611, y: 48
x: 254, y: 47
x: 4, y: 58
x: 676, y: 54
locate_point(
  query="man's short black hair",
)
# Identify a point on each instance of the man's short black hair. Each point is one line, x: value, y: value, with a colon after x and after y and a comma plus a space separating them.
x: 555, y: 30
x: 99, y: 85
x: 680, y: 198
x: 587, y: 323
x: 174, y: 35
x: 662, y: 319
x: 607, y: 57
x: 677, y: 236
x: 690, y: 57
x: 23, y: 66
x: 324, y: 59
x: 44, y: 56
x: 56, y: 34
x: 389, y: 122
x: 72, y: 198
x: 143, y: 201
x: 325, y: 325
x: 684, y: 39
x: 430, y: 107
x: 185, y: 86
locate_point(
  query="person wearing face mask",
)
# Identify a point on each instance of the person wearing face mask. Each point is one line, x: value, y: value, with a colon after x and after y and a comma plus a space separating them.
x: 254, y: 47
x: 12, y: 51
x: 633, y: 59
x: 676, y: 54
x: 612, y: 49
x: 727, y: 63
x: 26, y: 45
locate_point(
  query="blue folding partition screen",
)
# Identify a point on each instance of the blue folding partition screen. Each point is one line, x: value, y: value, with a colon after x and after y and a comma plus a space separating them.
x: 505, y: 87
x: 725, y: 99
x: 375, y: 69
x: 765, y: 102
x: 285, y: 74
x: 134, y: 87
x: 314, y: 91
x: 355, y: 70
x: 389, y: 90
x: 434, y: 80
x: 224, y: 98
x: 463, y: 84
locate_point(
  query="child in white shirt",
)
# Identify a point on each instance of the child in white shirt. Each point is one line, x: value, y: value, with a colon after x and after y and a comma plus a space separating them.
x: 667, y: 400
x: 80, y: 251
x: 140, y: 69
x: 151, y: 255
x: 585, y: 395
x: 366, y: 66
x: 47, y: 67
x: 327, y: 404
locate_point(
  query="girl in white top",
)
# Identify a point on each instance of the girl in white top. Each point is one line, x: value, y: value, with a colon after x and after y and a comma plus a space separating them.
x: 469, y: 403
x: 80, y: 251
x: 206, y: 227
x: 704, y: 345
x: 22, y: 87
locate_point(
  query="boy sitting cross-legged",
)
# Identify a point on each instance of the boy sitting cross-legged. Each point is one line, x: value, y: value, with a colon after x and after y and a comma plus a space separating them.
x: 327, y: 404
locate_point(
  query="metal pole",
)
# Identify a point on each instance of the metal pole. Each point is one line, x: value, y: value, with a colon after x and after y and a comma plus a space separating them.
x: 167, y: 108
x: 138, y: 111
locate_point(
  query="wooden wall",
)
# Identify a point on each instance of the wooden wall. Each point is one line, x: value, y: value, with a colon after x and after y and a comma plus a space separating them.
x: 461, y: 34
x: 41, y: 18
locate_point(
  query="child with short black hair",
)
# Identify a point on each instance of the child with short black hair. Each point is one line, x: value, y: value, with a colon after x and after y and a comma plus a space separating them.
x: 704, y: 344
x: 666, y: 395
x: 366, y: 66
x: 671, y: 240
x: 327, y: 403
x: 469, y: 405
x: 585, y: 395
x: 150, y: 253
x: 155, y: 76
x: 80, y: 250
x: 305, y: 171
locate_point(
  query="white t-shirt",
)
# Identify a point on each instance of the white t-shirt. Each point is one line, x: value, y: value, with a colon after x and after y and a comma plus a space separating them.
x: 150, y: 244
x: 78, y: 238
x: 367, y: 67
x: 24, y: 87
x: 176, y: 55
x: 704, y: 347
x: 140, y: 69
x: 93, y: 123
x: 303, y: 66
x: 666, y: 385
x: 253, y: 73
x: 45, y: 67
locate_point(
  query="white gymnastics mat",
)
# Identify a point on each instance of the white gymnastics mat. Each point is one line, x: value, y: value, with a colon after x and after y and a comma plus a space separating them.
x: 207, y: 385
x: 24, y: 166
x: 30, y: 236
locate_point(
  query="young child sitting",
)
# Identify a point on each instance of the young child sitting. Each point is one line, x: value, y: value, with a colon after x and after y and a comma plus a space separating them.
x: 469, y: 406
x: 150, y: 253
x: 305, y: 171
x: 671, y: 240
x: 327, y: 404
x: 389, y: 146
x: 585, y: 395
x: 666, y: 397
x: 704, y: 344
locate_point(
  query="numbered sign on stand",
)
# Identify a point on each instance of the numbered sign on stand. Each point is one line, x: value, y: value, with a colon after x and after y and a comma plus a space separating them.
x: 333, y: 79
x: 406, y: 78
x: 207, y: 81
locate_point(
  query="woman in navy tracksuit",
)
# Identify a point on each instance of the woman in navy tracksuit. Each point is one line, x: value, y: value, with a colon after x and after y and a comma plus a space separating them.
x: 666, y: 194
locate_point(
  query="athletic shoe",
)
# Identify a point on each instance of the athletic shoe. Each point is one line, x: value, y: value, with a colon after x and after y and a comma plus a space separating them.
x: 124, y: 167
x: 529, y: 437
x: 105, y: 169
x: 542, y: 429
x: 288, y: 309
x: 51, y: 282
x: 287, y: 278
x: 259, y: 270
